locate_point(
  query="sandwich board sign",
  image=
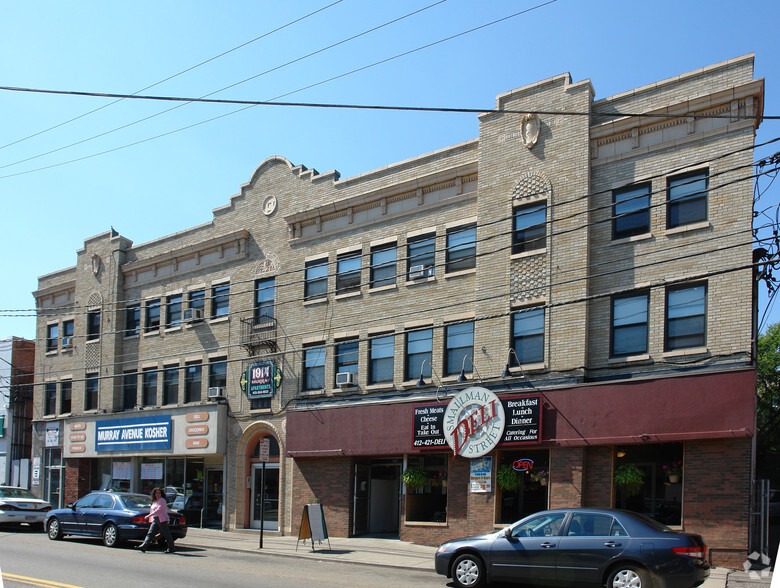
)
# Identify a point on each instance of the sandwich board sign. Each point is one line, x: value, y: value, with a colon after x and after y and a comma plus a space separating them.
x: 313, y: 525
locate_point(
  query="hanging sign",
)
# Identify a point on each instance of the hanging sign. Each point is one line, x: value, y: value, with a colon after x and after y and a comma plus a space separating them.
x: 428, y: 430
x: 262, y: 380
x: 523, y: 419
x: 474, y: 422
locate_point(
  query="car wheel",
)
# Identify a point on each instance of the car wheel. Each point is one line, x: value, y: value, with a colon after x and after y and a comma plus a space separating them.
x: 55, y: 530
x: 628, y: 576
x: 110, y: 535
x: 468, y: 571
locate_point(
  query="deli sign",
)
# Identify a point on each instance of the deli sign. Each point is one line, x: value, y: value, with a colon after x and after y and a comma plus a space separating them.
x: 474, y: 422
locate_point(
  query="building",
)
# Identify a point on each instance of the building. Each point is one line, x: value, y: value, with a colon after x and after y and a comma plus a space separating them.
x: 560, y: 297
x: 17, y: 367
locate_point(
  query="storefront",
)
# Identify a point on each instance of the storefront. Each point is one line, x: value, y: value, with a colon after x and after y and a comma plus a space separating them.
x: 179, y: 449
x: 482, y: 458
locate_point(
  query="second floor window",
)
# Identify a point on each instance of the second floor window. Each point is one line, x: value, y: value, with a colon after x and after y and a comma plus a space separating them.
x: 419, y: 350
x: 193, y: 375
x: 52, y: 337
x: 170, y: 390
x: 528, y: 335
x: 68, y: 329
x: 530, y: 230
x: 93, y: 325
x: 218, y: 373
x: 264, y: 299
x: 459, y: 351
x: 421, y: 253
x: 149, y: 392
x: 629, y: 325
x: 383, y: 270
x: 380, y: 359
x: 91, y: 387
x: 66, y: 393
x: 461, y: 248
x: 348, y: 273
x: 132, y: 320
x: 316, y: 285
x: 631, y: 211
x: 686, y: 316
x: 173, y: 311
x: 347, y: 358
x: 50, y: 401
x: 197, y: 300
x: 220, y: 300
x: 129, y: 390
x: 686, y: 199
x: 313, y: 368
x: 152, y: 322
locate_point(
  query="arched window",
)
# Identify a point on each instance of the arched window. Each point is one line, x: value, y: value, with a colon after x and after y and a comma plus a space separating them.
x: 273, y: 451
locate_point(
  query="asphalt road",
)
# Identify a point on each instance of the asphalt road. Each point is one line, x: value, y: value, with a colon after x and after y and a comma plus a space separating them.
x: 28, y: 558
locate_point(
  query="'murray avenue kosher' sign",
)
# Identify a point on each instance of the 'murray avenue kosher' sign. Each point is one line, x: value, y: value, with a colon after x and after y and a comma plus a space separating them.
x: 133, y: 434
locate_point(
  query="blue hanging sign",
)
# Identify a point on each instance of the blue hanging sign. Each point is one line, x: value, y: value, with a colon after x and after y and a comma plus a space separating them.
x: 133, y: 434
x: 263, y: 379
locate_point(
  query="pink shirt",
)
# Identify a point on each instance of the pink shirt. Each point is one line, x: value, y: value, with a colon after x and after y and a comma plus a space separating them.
x: 160, y: 510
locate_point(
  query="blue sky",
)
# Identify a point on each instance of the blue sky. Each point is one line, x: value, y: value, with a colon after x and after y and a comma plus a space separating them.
x: 149, y: 188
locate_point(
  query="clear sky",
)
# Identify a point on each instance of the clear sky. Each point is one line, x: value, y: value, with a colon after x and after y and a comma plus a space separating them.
x: 59, y: 186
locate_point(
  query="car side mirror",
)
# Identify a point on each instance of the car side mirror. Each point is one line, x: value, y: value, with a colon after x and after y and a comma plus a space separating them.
x: 506, y: 533
x: 71, y: 506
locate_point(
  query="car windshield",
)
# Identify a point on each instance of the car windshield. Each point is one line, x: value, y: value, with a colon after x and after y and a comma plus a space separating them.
x: 136, y: 500
x: 652, y: 523
x: 16, y: 493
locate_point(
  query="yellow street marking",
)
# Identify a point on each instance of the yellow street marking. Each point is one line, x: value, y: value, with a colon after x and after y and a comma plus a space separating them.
x: 37, y: 581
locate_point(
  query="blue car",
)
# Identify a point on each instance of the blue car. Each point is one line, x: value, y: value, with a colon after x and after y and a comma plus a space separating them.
x: 112, y: 516
x: 578, y: 547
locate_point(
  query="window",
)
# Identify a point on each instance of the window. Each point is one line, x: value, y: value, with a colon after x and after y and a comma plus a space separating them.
x: 220, y: 300
x: 50, y: 401
x: 218, y: 373
x: 595, y: 525
x: 530, y: 228
x: 422, y: 256
x: 529, y: 493
x: 198, y: 301
x: 543, y: 525
x: 173, y: 311
x: 313, y: 368
x: 192, y: 382
x: 383, y: 270
x: 170, y: 391
x: 91, y: 387
x: 316, y: 285
x: 419, y: 349
x: 68, y: 329
x: 461, y: 248
x: 264, y: 299
x: 528, y: 335
x: 129, y: 390
x: 631, y: 211
x: 258, y: 403
x: 152, y: 316
x: 686, y: 199
x: 149, y: 391
x: 93, y: 325
x: 380, y: 359
x: 347, y: 358
x: 348, y: 272
x: 66, y: 393
x: 686, y: 316
x: 132, y: 320
x: 459, y: 341
x: 429, y: 503
x: 52, y: 337
x: 629, y: 324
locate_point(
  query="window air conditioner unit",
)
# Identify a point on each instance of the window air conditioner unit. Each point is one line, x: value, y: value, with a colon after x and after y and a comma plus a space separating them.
x: 345, y: 379
x: 189, y: 315
x: 416, y: 271
x: 216, y: 392
x: 67, y: 342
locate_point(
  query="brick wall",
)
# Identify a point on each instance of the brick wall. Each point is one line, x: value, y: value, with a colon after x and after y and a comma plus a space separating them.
x: 76, y: 474
x: 597, y: 477
x: 329, y: 480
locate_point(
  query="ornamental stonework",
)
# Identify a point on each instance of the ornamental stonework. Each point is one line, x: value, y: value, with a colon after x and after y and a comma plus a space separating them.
x: 528, y: 279
x: 531, y: 186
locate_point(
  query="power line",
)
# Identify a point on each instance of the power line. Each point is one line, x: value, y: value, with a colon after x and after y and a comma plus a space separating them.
x: 189, y: 69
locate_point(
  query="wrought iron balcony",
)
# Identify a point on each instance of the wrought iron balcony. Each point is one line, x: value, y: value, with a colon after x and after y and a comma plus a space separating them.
x: 258, y: 332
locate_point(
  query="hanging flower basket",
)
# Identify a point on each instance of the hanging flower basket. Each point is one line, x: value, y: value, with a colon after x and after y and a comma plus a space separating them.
x: 507, y: 478
x: 673, y: 471
x: 414, y: 478
x: 629, y: 478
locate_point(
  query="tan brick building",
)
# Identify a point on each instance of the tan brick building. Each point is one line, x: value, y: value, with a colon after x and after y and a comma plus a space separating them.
x: 568, y: 293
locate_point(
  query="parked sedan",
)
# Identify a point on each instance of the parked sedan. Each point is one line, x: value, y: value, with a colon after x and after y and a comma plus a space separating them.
x: 112, y: 516
x: 19, y: 505
x: 578, y: 547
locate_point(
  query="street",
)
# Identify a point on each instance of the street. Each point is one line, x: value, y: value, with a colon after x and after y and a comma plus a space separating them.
x: 29, y: 558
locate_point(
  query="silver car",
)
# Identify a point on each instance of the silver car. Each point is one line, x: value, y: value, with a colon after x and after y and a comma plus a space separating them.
x: 18, y: 505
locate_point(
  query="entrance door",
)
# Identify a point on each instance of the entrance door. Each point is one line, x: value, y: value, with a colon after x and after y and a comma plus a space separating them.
x: 213, y: 493
x: 361, y: 498
x: 265, y: 490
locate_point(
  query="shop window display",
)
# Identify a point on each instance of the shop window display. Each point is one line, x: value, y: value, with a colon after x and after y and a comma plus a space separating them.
x: 648, y: 480
x: 425, y: 478
x: 521, y: 484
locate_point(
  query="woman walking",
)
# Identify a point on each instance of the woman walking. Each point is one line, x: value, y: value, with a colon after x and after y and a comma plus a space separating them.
x: 158, y: 516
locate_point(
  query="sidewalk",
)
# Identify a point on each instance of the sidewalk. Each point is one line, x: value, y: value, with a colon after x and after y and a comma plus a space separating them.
x: 383, y: 552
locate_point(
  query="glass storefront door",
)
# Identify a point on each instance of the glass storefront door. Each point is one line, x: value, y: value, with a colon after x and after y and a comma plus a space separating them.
x: 265, y: 491
x: 52, y: 476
